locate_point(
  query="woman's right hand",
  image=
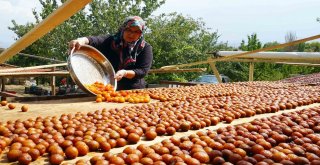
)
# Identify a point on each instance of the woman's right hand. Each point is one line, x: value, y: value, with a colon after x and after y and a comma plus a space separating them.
x: 77, y: 43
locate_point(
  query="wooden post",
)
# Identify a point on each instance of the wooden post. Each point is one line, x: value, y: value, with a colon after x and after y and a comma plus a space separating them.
x: 215, y: 70
x: 177, y: 70
x: 251, y: 68
x: 53, y: 83
x: 3, y: 87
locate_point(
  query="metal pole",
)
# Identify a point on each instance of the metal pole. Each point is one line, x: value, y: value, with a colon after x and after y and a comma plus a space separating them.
x: 53, y: 83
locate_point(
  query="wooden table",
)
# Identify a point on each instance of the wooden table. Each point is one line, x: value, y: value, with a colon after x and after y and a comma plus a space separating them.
x: 58, y: 107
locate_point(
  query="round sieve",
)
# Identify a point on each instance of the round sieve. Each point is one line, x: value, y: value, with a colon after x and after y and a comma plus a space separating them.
x: 87, y: 66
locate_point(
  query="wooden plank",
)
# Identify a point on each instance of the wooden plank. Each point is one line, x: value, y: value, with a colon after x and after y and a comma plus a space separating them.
x: 32, y: 67
x: 177, y: 83
x: 32, y: 99
x: 57, y: 107
x: 40, y: 57
x: 245, y: 53
x: 35, y: 56
x: 64, y: 12
x: 7, y: 94
x: 85, y: 105
x: 177, y: 70
x: 178, y: 135
x: 251, y: 69
x: 215, y: 71
x: 30, y: 74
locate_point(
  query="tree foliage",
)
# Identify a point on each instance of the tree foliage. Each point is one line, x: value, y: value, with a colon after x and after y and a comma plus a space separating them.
x: 272, y: 71
x: 239, y: 71
x: 99, y: 17
x: 312, y: 47
x: 253, y: 43
x: 177, y: 39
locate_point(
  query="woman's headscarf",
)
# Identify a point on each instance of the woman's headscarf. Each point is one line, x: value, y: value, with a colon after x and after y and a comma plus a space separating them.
x: 128, y: 51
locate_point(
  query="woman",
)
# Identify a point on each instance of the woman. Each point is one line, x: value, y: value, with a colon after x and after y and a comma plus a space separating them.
x: 130, y: 55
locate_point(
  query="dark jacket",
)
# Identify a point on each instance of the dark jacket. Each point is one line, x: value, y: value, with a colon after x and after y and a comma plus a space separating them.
x: 141, y: 67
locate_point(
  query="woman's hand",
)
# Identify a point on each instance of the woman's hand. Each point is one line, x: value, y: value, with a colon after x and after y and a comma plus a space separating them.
x: 120, y: 74
x: 77, y: 43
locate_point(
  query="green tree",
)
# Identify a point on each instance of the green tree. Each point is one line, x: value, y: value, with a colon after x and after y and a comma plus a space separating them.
x: 262, y: 71
x: 239, y: 71
x: 312, y: 47
x: 177, y: 39
x: 274, y: 43
x: 223, y: 46
x: 99, y: 17
x: 253, y: 43
x: 281, y: 71
x: 301, y: 47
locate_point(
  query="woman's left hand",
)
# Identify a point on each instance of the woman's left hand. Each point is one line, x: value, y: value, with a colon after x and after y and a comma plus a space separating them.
x: 120, y: 74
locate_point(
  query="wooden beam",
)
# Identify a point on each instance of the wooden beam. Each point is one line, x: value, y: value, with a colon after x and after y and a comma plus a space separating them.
x: 32, y: 67
x: 64, y: 12
x: 245, y: 53
x: 7, y: 94
x: 215, y: 71
x: 35, y: 56
x: 177, y: 70
x: 40, y: 57
x: 177, y: 83
x: 3, y: 89
x: 31, y: 74
x: 251, y: 69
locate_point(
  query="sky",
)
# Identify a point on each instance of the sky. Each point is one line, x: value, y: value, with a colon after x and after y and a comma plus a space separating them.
x: 234, y: 20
